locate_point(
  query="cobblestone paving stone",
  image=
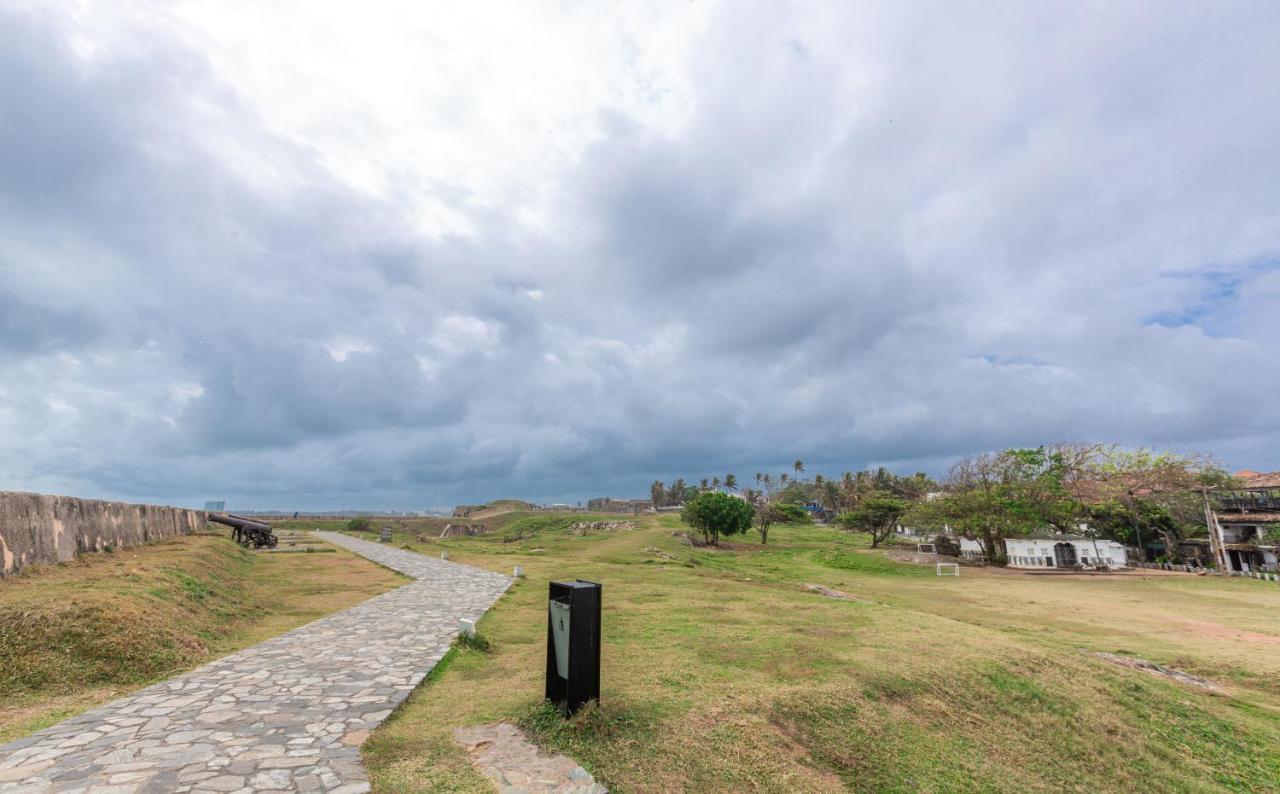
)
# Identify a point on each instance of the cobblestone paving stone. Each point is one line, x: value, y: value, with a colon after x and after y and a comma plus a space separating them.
x: 516, y: 766
x: 288, y: 714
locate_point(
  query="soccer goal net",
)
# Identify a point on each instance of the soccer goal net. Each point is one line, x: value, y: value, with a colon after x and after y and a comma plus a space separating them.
x: 948, y: 569
x: 926, y: 548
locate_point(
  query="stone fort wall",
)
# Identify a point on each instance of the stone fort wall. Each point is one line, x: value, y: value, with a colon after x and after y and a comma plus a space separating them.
x: 37, y: 528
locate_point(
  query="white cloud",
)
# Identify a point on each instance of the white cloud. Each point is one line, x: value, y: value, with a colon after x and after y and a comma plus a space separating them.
x: 340, y: 348
x: 417, y: 253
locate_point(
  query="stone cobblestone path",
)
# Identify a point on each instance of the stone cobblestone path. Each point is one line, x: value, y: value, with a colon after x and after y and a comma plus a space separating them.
x: 288, y: 714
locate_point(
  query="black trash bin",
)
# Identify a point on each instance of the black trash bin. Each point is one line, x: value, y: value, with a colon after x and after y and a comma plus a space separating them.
x: 573, y: 644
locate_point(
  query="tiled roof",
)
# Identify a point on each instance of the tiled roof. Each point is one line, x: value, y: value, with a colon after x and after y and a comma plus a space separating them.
x: 1053, y: 537
x: 1271, y: 480
x: 1248, y: 518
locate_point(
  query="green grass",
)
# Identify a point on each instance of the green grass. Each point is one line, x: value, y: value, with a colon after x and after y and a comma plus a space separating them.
x: 872, y: 564
x: 80, y: 633
x: 721, y: 673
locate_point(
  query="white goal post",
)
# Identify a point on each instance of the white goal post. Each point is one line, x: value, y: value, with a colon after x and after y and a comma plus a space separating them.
x: 948, y: 569
x: 926, y: 548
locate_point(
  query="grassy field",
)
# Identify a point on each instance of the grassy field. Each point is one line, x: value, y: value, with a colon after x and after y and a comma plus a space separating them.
x: 81, y: 633
x: 722, y: 673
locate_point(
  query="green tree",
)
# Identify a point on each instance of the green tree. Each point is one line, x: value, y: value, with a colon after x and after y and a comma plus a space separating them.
x: 731, y: 482
x: 658, y: 494
x: 767, y: 514
x: 714, y: 514
x: 831, y: 497
x: 678, y: 493
x: 360, y: 524
x: 1164, y: 491
x: 1015, y: 492
x: 878, y: 516
x: 798, y: 466
x: 1127, y: 523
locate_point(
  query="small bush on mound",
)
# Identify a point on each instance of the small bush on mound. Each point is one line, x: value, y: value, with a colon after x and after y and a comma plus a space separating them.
x: 714, y: 514
x: 360, y: 525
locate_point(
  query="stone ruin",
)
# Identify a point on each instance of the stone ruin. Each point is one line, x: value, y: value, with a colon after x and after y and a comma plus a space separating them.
x: 583, y: 527
x: 464, y: 530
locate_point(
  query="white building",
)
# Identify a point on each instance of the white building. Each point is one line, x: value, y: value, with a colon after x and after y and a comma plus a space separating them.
x: 970, y: 549
x: 1055, y: 551
x: 1064, y: 551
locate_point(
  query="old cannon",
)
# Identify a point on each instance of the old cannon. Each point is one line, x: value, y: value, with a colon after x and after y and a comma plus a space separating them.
x: 246, y: 531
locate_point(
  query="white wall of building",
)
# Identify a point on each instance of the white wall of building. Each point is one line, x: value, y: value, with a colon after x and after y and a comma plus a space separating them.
x: 1039, y: 552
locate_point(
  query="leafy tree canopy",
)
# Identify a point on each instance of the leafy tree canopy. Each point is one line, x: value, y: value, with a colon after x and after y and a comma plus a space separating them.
x: 714, y: 514
x: 878, y: 516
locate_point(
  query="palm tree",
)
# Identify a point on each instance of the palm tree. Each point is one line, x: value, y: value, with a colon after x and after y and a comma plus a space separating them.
x: 831, y: 496
x: 704, y: 483
x: 715, y: 483
x: 856, y: 486
x: 759, y: 477
x: 731, y: 482
x: 798, y: 466
x: 784, y: 478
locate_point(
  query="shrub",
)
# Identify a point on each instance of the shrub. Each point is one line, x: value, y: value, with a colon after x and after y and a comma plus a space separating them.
x: 360, y: 525
x: 714, y: 514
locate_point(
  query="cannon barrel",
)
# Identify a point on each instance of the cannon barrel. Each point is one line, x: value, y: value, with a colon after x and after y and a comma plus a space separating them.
x: 246, y: 531
x: 239, y: 522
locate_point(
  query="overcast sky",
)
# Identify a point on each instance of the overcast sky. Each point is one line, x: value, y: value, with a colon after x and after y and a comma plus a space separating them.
x: 305, y: 255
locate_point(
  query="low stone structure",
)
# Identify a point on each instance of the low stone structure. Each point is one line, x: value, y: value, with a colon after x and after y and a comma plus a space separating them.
x: 464, y: 530
x: 609, y: 504
x: 38, y: 528
x: 583, y: 527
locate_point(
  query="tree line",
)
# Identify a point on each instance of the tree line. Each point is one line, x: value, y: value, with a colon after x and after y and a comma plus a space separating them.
x: 833, y: 495
x: 1132, y: 496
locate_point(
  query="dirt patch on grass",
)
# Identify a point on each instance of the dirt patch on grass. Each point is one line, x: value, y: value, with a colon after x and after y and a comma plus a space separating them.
x: 1218, y: 631
x: 724, y: 545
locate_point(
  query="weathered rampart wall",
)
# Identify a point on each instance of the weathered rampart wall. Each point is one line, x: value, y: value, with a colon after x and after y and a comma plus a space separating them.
x: 36, y: 528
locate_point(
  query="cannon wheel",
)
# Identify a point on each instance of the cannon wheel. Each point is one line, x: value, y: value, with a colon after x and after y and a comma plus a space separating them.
x: 272, y: 542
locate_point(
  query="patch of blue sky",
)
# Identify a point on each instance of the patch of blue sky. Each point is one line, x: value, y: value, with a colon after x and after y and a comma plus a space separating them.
x: 998, y: 360
x: 1211, y: 311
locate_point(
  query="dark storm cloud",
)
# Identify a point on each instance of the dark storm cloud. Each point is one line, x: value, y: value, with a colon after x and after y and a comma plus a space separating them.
x: 883, y: 240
